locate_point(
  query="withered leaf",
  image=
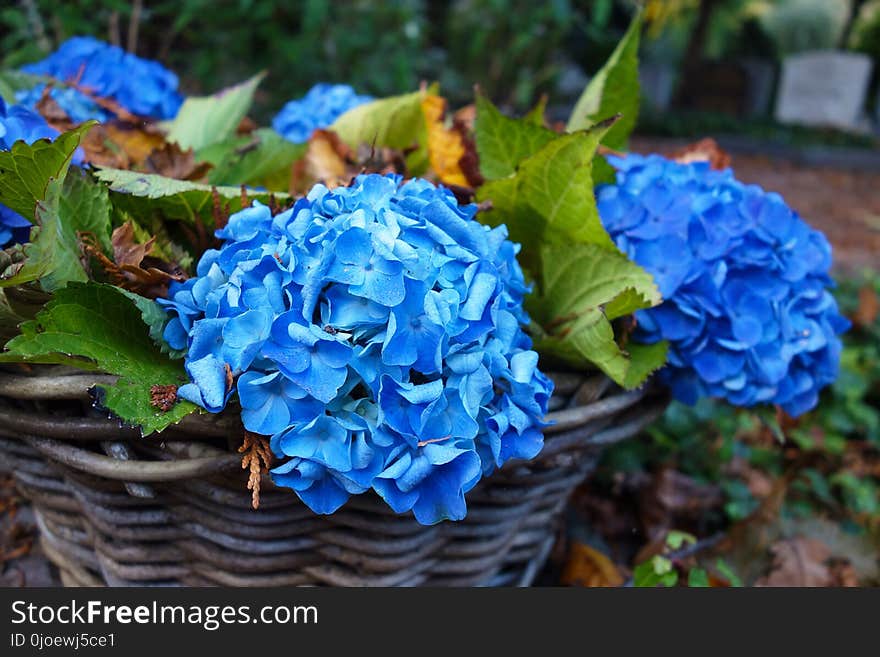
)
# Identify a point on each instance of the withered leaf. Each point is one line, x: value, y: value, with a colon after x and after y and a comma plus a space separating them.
x: 50, y: 110
x: 705, y: 150
x: 327, y: 160
x: 331, y: 161
x: 136, y: 141
x: 171, y: 161
x: 798, y: 561
x: 868, y: 309
x: 452, y: 151
x: 132, y: 268
x: 587, y: 566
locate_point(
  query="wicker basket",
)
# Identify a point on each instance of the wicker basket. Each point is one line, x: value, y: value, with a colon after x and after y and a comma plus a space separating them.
x: 117, y: 509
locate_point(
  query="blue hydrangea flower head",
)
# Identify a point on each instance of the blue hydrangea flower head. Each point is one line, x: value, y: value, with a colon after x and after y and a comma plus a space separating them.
x: 19, y: 123
x: 319, y: 108
x: 141, y: 86
x: 375, y: 332
x: 77, y: 105
x: 747, y: 309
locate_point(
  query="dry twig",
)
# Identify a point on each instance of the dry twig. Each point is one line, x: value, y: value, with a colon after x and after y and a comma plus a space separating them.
x: 257, y: 459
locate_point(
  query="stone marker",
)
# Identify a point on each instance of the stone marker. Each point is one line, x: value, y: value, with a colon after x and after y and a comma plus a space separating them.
x: 657, y: 81
x: 824, y: 88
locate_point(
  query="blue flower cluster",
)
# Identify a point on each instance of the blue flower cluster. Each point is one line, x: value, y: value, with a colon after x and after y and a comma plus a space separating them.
x: 747, y: 310
x: 141, y: 86
x: 18, y: 123
x: 78, y: 106
x: 319, y: 108
x: 375, y: 333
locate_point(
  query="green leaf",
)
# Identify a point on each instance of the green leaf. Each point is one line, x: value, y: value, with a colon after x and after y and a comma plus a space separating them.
x: 98, y: 327
x: 17, y: 305
x: 535, y: 116
x: 14, y: 80
x: 675, y: 539
x: 656, y: 571
x: 727, y: 572
x: 206, y: 120
x: 578, y: 283
x: 502, y: 142
x: 76, y: 205
x: 644, y: 360
x: 698, y: 578
x: 263, y: 159
x: 155, y: 317
x: 26, y: 169
x: 396, y: 122
x: 141, y: 194
x: 613, y: 90
x: 550, y: 199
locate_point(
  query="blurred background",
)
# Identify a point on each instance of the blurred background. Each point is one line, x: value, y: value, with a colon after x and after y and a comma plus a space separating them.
x: 718, y: 59
x: 790, y: 88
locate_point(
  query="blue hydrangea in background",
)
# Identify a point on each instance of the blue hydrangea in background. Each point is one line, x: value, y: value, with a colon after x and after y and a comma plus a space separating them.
x: 18, y: 123
x: 78, y: 106
x: 746, y: 310
x: 141, y: 86
x: 319, y: 108
x: 375, y: 333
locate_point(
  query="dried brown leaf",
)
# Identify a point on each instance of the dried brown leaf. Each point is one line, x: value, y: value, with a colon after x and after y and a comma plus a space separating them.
x: 868, y: 309
x: 132, y: 268
x: 101, y: 150
x: 50, y: 110
x: 798, y: 561
x: 705, y: 150
x: 843, y: 574
x: 136, y: 141
x: 327, y: 160
x: 171, y: 161
x: 587, y: 566
x: 446, y: 145
x: 672, y: 499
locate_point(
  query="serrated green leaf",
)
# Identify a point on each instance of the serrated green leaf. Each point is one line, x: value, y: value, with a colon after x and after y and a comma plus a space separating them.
x: 98, y: 327
x: 613, y: 90
x: 644, y: 360
x: 264, y: 159
x: 26, y: 169
x: 396, y: 122
x: 550, y: 199
x: 206, y: 120
x: 535, y: 116
x: 578, y: 283
x: 142, y: 194
x: 503, y: 142
x: 76, y: 205
x: 155, y: 317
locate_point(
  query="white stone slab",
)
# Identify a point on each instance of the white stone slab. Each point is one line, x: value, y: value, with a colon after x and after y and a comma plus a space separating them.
x: 824, y: 88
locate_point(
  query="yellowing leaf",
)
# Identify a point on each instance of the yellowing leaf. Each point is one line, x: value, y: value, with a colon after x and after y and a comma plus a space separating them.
x: 135, y: 142
x: 589, y: 567
x: 446, y: 146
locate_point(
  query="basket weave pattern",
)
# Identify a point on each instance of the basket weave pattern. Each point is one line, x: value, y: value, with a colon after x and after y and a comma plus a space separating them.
x: 117, y: 509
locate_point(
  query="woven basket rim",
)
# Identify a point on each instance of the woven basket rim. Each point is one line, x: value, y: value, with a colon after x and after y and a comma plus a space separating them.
x: 65, y: 438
